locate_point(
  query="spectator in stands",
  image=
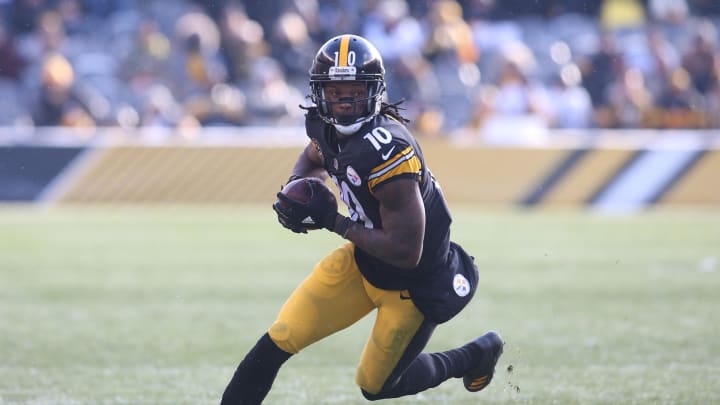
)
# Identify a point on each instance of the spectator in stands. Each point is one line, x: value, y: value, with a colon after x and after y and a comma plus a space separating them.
x: 416, y: 83
x: 677, y: 104
x: 291, y: 45
x: 654, y: 37
x: 712, y: 107
x: 196, y: 63
x: 669, y: 11
x: 12, y: 71
x: 242, y: 41
x: 702, y: 59
x: 399, y: 36
x: 274, y: 101
x: 264, y: 12
x: 599, y: 71
x: 159, y: 108
x: 205, y: 96
x: 659, y: 60
x: 514, y: 109
x: 450, y: 48
x: 514, y: 93
x: 324, y: 18
x: 148, y: 59
x: 59, y: 104
x: 12, y: 64
x: 73, y: 17
x: 570, y: 105
x: 51, y: 32
x: 393, y: 30
x: 630, y: 101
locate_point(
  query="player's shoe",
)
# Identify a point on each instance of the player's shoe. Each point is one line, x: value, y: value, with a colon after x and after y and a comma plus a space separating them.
x: 480, y: 376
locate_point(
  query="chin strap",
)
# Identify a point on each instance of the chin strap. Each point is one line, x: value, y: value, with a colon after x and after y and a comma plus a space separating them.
x: 348, y: 129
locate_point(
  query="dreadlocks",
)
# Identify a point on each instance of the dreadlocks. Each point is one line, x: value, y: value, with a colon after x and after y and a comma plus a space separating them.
x: 393, y: 110
x: 390, y: 109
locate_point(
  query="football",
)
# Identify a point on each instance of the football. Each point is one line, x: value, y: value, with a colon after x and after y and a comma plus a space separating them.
x: 303, y: 189
x: 299, y: 189
x: 305, y: 204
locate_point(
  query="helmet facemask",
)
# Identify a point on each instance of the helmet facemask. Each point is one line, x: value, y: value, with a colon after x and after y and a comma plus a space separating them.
x: 347, y: 111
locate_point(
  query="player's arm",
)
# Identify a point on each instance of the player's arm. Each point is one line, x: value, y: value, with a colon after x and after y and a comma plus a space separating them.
x: 400, y: 240
x: 291, y: 213
x: 309, y: 163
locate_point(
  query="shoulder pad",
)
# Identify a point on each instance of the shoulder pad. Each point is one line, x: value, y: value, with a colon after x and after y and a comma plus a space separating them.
x: 313, y: 123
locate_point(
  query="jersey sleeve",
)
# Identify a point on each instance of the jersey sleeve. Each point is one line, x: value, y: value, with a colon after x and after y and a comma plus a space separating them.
x: 402, y: 164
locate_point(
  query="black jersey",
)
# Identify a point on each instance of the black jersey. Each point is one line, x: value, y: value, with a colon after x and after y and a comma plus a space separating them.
x: 382, y: 151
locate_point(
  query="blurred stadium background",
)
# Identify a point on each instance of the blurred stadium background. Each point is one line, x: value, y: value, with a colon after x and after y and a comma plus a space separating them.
x: 608, y: 103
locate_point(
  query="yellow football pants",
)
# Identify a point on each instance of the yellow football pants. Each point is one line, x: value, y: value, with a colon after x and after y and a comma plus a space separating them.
x: 335, y: 296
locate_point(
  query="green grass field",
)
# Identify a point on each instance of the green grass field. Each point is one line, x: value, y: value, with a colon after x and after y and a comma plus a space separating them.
x: 157, y: 306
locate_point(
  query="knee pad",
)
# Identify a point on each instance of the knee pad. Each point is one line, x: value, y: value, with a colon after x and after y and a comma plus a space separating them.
x: 369, y: 396
x: 369, y: 383
x: 280, y: 334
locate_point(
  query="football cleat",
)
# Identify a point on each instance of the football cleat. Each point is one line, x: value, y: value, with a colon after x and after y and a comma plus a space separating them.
x: 480, y: 376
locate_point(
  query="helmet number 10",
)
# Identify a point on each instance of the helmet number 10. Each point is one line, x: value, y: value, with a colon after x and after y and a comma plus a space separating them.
x: 350, y: 58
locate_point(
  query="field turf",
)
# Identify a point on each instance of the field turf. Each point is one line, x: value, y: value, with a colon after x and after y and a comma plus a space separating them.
x: 157, y: 306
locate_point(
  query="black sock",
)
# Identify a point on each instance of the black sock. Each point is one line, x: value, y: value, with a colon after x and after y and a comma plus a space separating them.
x: 428, y: 370
x: 255, y: 374
x: 455, y: 362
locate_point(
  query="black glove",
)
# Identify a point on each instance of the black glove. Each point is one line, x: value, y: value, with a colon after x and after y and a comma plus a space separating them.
x: 286, y: 220
x: 318, y: 212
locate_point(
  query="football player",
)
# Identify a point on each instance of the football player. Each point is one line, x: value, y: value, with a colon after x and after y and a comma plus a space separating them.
x: 399, y: 260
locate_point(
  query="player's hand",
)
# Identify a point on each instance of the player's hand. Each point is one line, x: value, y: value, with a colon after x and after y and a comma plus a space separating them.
x: 284, y: 213
x: 287, y: 220
x: 318, y: 212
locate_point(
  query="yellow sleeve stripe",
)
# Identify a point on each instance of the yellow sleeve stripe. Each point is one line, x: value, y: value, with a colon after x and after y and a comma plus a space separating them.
x: 401, y: 163
x: 344, y: 45
x: 398, y: 156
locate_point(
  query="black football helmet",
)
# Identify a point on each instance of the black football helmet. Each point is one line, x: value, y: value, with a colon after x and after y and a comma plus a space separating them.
x: 348, y: 58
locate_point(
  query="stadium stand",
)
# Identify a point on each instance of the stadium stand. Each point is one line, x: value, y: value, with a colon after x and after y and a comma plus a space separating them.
x: 94, y: 92
x: 459, y: 64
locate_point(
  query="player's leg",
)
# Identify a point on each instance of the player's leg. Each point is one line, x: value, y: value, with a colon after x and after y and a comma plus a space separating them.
x: 392, y: 364
x: 330, y: 299
x: 474, y: 361
x: 255, y: 374
x: 400, y: 332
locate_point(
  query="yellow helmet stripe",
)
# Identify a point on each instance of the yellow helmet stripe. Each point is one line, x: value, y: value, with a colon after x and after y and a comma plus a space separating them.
x: 344, y: 45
